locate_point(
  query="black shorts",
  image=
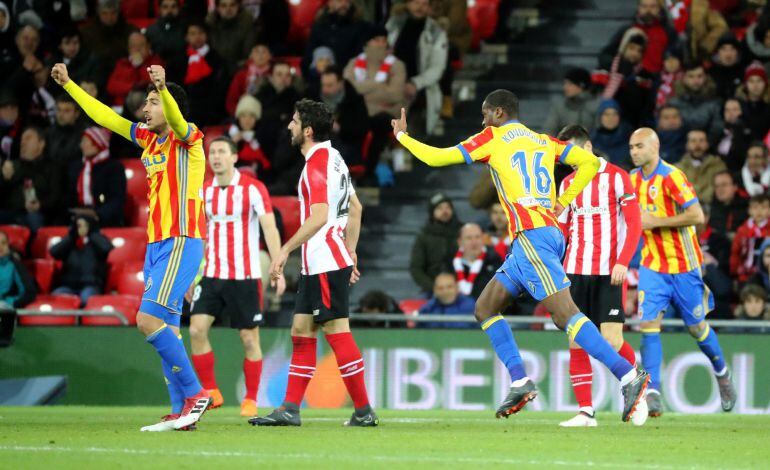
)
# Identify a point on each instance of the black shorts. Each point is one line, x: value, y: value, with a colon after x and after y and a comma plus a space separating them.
x: 597, y: 298
x: 326, y: 295
x: 233, y: 300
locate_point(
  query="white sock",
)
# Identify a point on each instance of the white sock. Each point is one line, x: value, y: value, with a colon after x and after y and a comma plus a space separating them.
x: 626, y: 379
x: 519, y: 382
x: 589, y: 410
x: 721, y: 373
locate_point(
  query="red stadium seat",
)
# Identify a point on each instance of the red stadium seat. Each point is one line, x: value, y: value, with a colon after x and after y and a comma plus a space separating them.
x: 482, y: 15
x: 136, y: 179
x: 18, y: 236
x: 128, y: 305
x: 140, y: 23
x: 129, y: 244
x: 127, y: 278
x: 132, y: 9
x: 288, y: 206
x: 210, y: 133
x: 137, y: 214
x: 46, y: 303
x: 42, y: 270
x: 45, y: 238
x: 302, y: 13
x: 411, y: 307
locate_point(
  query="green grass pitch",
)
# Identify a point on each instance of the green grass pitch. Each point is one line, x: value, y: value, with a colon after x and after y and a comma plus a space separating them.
x: 94, y: 437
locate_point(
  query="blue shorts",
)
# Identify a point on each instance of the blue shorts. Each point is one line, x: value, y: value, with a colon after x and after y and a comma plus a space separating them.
x: 685, y: 291
x: 170, y: 267
x: 534, y: 264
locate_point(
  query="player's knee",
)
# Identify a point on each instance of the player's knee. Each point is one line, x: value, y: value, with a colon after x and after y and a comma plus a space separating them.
x: 250, y: 341
x: 482, y: 311
x: 147, y: 324
x: 614, y: 338
x: 198, y: 333
x: 696, y: 331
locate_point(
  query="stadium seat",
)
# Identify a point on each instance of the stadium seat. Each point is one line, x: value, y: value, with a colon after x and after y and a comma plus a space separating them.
x: 45, y: 238
x: 127, y: 278
x: 136, y: 179
x: 42, y: 269
x: 411, y: 307
x: 288, y: 206
x: 129, y: 244
x: 18, y: 236
x: 136, y: 214
x: 46, y: 303
x: 128, y: 305
x: 139, y: 9
x: 482, y: 15
x: 302, y: 13
x: 210, y: 133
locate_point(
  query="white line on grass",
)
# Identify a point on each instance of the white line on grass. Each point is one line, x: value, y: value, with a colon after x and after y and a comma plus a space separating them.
x: 309, y: 456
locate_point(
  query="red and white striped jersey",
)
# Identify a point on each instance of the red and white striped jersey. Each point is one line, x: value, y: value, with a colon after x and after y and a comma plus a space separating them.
x: 325, y: 179
x: 596, y: 229
x: 232, y: 220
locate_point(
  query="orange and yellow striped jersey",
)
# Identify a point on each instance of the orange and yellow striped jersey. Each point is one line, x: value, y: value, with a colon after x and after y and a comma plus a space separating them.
x: 521, y: 163
x: 665, y: 193
x: 175, y: 170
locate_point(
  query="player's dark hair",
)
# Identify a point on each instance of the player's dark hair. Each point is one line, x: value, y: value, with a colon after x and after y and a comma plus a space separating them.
x: 179, y: 95
x: 317, y: 116
x: 721, y: 173
x: 576, y: 133
x: 759, y: 199
x: 228, y: 141
x: 753, y: 291
x: 505, y: 100
x: 333, y: 70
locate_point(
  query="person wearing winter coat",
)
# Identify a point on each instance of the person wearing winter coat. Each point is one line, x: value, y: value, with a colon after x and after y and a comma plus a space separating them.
x: 697, y: 101
x: 436, y: 244
x: 578, y: 106
x: 612, y: 134
x: 700, y: 166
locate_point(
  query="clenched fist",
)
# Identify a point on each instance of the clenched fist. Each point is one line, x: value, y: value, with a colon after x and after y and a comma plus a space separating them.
x: 158, y: 76
x: 59, y: 74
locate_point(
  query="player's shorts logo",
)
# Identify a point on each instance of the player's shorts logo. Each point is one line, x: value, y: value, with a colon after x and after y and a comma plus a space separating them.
x: 316, y: 312
x: 531, y: 286
x: 257, y: 317
x: 176, y: 369
x: 148, y: 284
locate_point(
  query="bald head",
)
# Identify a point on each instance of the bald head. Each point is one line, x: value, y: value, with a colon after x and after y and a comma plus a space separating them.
x: 471, y: 241
x: 644, y: 146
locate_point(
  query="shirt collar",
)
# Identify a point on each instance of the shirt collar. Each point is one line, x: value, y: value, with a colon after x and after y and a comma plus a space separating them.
x: 654, y: 172
x: 325, y: 144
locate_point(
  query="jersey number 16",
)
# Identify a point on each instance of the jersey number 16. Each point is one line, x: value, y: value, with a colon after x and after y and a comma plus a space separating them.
x: 539, y: 173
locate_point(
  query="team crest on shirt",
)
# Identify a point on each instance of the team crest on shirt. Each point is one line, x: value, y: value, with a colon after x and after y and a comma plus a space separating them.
x: 698, y: 312
x: 653, y: 191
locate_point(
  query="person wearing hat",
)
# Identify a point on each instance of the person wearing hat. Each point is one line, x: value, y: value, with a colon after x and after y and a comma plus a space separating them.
x: 243, y: 132
x: 727, y: 68
x: 611, y: 133
x: 323, y: 58
x: 96, y: 182
x: 436, y: 244
x: 755, y: 96
x: 578, y: 106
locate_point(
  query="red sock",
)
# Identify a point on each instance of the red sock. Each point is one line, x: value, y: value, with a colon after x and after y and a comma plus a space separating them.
x: 627, y: 352
x: 204, y: 366
x: 252, y: 370
x: 581, y: 373
x: 301, y: 368
x: 351, y: 366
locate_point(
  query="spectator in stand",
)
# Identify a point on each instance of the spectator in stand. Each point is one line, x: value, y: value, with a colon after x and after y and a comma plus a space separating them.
x: 578, y: 106
x: 63, y: 137
x: 131, y: 71
x: 133, y: 110
x: 231, y: 32
x: 755, y: 174
x: 107, y: 34
x: 758, y: 39
x: 323, y: 58
x: 337, y: 26
x: 17, y: 287
x: 351, y: 119
x: 83, y: 252
x: 749, y: 237
x: 704, y: 28
x: 762, y: 276
x: 271, y: 22
x: 7, y: 33
x: 447, y: 300
x: 729, y: 209
x: 80, y: 62
x: 612, y: 134
x: 380, y: 78
x: 727, y: 69
x: 452, y: 16
x: 660, y: 36
x: 735, y: 136
x: 697, y: 101
x: 250, y: 77
x: 715, y: 247
x: 30, y: 188
x: 167, y: 34
x: 497, y: 237
x: 97, y: 182
x: 700, y: 166
x: 671, y: 75
x: 474, y: 264
x: 672, y: 134
x: 10, y: 124
x: 378, y: 302
x: 42, y: 105
x: 424, y: 63
x: 277, y: 96
x: 755, y: 96
x: 436, y: 244
x: 244, y: 132
x: 753, y: 305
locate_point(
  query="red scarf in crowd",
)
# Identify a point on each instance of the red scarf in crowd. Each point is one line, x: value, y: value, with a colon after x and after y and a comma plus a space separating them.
x: 197, y: 67
x: 254, y: 76
x: 100, y: 137
x: 465, y: 281
x: 360, y: 67
x: 501, y: 245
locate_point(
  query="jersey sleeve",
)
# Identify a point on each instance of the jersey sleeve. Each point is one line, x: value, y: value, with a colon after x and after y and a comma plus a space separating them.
x: 141, y: 135
x: 561, y: 150
x: 477, y: 148
x: 193, y: 136
x: 680, y: 189
x: 624, y: 193
x: 318, y: 176
x: 260, y: 199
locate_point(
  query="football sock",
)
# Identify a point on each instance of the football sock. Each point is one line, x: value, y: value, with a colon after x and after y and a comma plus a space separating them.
x: 351, y: 366
x: 627, y: 352
x: 204, y: 366
x: 175, y: 392
x: 709, y: 344
x: 583, y: 332
x: 501, y: 337
x: 252, y: 370
x: 172, y: 351
x: 652, y: 355
x: 581, y: 374
x: 301, y: 369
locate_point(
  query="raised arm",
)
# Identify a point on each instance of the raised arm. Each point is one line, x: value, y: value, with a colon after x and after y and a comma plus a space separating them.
x: 432, y: 156
x: 101, y: 114
x: 171, y: 111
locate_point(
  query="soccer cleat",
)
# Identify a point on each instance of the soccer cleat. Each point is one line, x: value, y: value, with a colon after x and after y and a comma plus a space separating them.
x: 248, y: 407
x: 217, y: 399
x: 516, y: 399
x: 727, y: 391
x: 194, y: 407
x: 580, y: 420
x: 281, y: 416
x: 166, y: 424
x: 641, y: 414
x: 368, y: 420
x: 633, y: 392
x: 654, y: 403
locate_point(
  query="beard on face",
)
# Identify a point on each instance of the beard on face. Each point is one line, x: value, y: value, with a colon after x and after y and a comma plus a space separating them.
x: 298, y: 140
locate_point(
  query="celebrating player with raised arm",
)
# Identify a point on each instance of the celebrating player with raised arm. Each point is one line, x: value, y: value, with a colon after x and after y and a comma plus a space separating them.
x: 671, y: 264
x: 331, y: 222
x: 521, y: 163
x: 173, y: 158
x: 603, y: 226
